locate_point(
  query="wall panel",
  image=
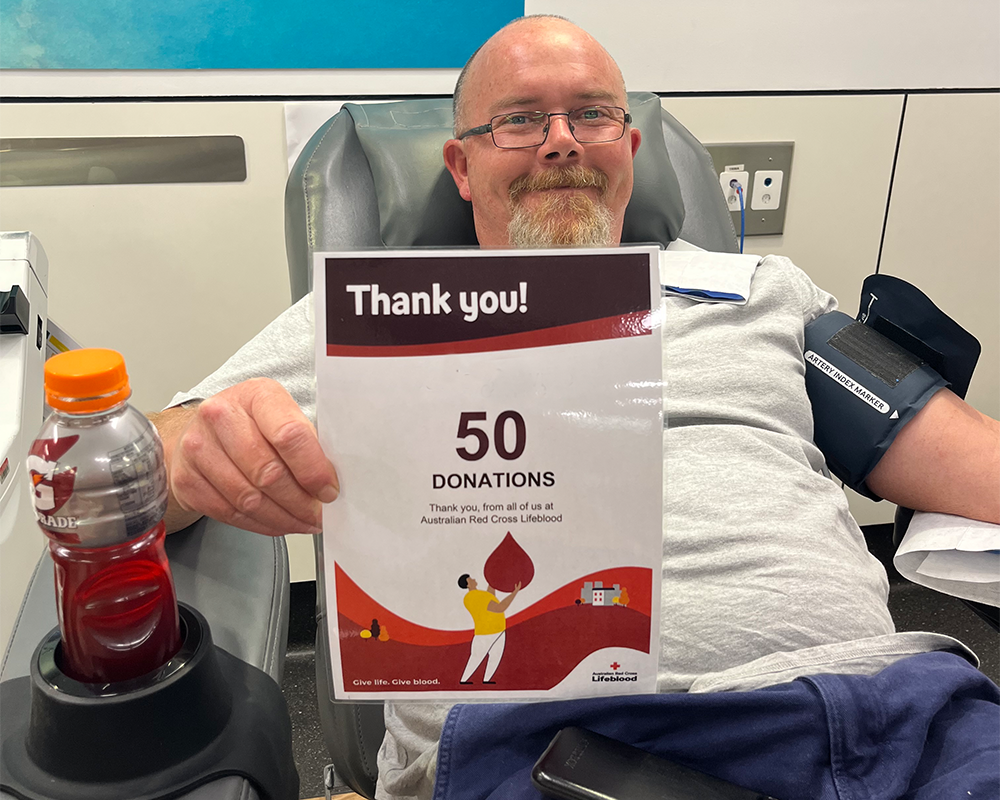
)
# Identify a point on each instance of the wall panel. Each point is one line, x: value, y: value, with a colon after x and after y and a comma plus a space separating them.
x: 176, y: 276
x: 839, y: 179
x: 791, y: 45
x: 943, y: 231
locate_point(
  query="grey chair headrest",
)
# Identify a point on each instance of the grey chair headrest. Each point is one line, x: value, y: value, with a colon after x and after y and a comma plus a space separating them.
x: 419, y: 205
x: 418, y: 202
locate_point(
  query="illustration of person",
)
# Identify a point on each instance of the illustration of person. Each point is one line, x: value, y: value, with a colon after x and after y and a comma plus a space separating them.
x: 490, y: 626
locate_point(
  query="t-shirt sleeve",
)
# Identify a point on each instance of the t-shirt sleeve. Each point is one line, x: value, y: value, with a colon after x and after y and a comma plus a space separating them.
x: 282, y: 351
x: 813, y: 301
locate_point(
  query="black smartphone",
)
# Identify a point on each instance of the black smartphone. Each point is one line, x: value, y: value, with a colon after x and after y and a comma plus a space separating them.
x: 581, y: 765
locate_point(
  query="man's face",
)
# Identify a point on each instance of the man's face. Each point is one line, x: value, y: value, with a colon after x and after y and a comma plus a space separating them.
x: 471, y: 583
x: 543, y: 66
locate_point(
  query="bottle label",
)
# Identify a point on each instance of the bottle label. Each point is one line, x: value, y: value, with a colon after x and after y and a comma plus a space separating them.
x: 102, y: 499
x: 51, y: 487
x: 140, y: 481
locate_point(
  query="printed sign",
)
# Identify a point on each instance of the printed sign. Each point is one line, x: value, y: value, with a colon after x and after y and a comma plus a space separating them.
x: 496, y: 421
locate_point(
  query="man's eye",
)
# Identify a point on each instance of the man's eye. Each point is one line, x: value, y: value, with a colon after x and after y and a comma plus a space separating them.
x: 522, y: 119
x: 590, y: 113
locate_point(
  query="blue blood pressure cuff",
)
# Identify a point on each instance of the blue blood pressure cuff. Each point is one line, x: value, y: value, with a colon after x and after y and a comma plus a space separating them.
x: 867, y: 378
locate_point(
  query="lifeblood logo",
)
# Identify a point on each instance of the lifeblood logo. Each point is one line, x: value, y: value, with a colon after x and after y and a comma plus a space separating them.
x: 50, y: 489
x: 625, y: 675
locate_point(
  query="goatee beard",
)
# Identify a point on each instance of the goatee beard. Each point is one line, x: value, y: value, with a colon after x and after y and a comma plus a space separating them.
x: 561, y: 219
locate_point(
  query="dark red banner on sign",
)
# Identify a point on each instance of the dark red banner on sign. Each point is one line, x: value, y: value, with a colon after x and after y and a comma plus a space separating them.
x: 396, y: 306
x: 636, y: 324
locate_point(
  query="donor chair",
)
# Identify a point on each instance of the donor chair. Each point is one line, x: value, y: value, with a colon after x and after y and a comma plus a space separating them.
x: 373, y: 176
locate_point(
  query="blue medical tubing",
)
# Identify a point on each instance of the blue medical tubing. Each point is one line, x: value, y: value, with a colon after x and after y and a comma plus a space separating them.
x: 743, y: 213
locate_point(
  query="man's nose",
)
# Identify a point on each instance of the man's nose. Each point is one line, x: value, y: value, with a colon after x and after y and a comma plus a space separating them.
x: 560, y: 143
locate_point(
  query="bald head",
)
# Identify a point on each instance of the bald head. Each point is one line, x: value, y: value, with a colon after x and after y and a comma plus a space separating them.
x: 558, y: 191
x: 534, y: 31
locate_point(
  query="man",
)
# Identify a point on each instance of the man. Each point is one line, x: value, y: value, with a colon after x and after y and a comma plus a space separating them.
x: 489, y: 633
x: 768, y: 577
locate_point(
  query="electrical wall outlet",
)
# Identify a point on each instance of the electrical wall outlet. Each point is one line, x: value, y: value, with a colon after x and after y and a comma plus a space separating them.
x: 759, y: 161
x: 725, y: 180
x: 766, y: 190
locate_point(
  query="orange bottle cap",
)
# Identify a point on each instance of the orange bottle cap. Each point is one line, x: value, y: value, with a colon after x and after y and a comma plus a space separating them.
x: 85, y: 381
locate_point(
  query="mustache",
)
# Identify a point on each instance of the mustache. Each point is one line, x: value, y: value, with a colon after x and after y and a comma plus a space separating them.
x: 575, y: 177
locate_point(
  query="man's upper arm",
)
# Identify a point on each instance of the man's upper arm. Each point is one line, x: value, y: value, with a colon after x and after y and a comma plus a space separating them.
x: 883, y: 421
x: 946, y: 459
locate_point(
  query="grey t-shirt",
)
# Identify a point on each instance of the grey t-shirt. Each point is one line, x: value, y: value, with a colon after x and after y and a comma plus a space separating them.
x: 766, y: 576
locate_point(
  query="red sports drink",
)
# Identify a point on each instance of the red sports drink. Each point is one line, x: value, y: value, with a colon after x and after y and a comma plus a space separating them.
x: 99, y: 487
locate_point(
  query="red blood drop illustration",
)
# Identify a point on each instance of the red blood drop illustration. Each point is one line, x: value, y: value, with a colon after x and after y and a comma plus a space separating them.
x: 508, y: 565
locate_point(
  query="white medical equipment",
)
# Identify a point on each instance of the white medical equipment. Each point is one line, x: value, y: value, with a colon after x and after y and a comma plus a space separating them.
x: 24, y: 276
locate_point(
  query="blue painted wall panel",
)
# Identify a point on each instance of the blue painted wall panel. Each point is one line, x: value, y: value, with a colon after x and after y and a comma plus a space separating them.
x: 247, y: 34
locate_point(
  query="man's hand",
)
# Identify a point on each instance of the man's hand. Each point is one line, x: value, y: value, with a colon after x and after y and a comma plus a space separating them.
x: 247, y: 457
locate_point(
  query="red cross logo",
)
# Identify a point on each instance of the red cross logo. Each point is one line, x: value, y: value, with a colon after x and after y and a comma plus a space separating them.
x: 615, y: 665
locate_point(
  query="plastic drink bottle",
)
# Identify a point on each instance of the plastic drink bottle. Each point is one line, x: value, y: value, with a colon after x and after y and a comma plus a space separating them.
x: 99, y: 487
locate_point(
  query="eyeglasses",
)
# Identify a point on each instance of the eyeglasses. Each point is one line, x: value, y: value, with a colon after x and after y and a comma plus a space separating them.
x: 520, y: 129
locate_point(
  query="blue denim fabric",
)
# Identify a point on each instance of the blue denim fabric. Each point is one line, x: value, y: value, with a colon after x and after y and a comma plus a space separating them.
x: 925, y: 728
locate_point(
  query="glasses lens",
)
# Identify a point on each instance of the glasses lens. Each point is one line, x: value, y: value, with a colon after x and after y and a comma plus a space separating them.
x: 598, y: 124
x: 528, y: 128
x: 519, y: 129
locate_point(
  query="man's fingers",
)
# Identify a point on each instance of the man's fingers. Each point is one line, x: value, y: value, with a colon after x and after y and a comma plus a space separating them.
x: 294, y: 439
x: 226, y: 495
x: 251, y: 458
x: 262, y: 472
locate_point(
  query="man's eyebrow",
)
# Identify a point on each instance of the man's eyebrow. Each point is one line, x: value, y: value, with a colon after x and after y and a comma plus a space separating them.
x: 522, y: 103
x: 513, y: 102
x: 609, y: 97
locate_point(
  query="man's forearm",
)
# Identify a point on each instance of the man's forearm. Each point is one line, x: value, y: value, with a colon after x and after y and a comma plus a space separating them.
x: 170, y: 424
x: 502, y: 605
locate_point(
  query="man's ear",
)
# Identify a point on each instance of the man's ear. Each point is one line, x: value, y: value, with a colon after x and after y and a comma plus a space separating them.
x: 635, y: 138
x: 458, y: 165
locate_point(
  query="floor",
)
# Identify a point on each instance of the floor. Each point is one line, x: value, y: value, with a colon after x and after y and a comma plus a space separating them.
x: 912, y: 607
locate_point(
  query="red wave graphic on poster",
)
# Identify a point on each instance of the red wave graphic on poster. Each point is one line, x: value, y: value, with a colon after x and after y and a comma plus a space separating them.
x: 638, y: 323
x: 539, y: 653
x: 356, y: 607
